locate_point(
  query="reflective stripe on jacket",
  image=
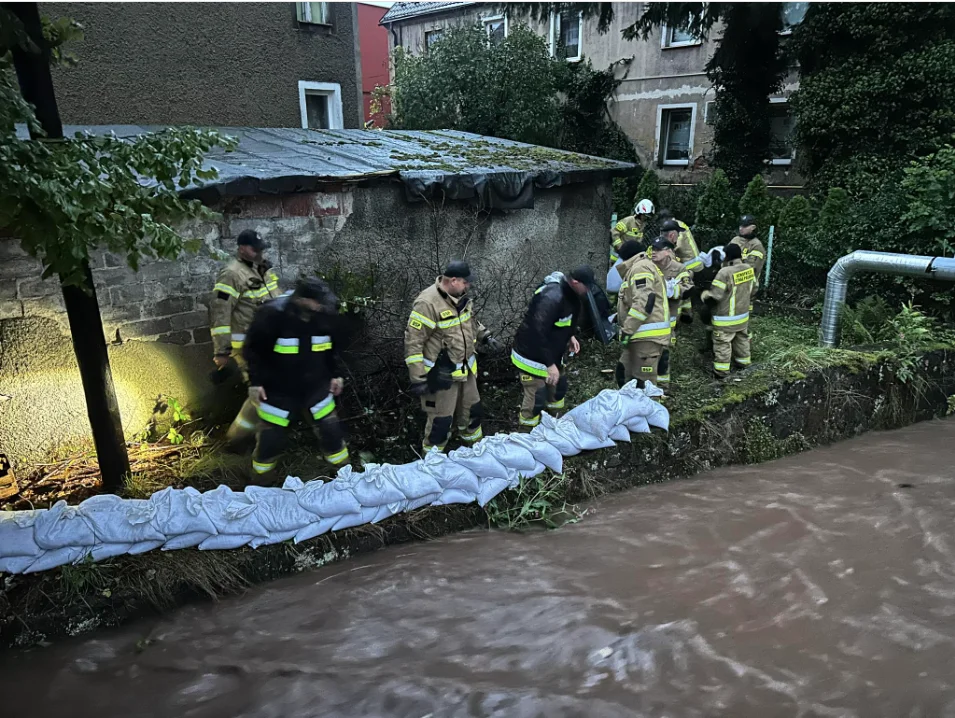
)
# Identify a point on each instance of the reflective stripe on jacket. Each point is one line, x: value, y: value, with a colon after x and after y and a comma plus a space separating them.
x: 627, y: 228
x: 437, y: 321
x: 678, y: 271
x: 686, y: 249
x: 548, y: 325
x: 732, y: 288
x: 754, y: 254
x: 639, y: 317
x: 240, y: 289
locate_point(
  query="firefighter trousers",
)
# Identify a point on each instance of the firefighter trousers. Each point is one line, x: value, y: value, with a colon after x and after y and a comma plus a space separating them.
x: 461, y: 404
x: 641, y: 361
x: 538, y: 395
x: 730, y: 347
x: 246, y: 422
x: 272, y: 440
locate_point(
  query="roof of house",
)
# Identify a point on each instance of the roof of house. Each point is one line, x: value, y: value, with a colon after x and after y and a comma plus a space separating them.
x: 406, y: 10
x: 463, y: 165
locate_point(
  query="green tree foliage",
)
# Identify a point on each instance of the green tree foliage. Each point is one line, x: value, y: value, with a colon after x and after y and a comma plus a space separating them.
x: 649, y: 188
x: 757, y: 201
x: 795, y: 219
x: 877, y: 89
x: 928, y: 187
x: 717, y: 206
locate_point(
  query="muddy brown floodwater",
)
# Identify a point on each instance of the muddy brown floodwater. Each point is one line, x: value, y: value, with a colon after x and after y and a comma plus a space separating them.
x: 819, y: 585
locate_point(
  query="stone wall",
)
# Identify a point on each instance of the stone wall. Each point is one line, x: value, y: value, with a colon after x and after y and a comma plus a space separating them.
x: 368, y: 237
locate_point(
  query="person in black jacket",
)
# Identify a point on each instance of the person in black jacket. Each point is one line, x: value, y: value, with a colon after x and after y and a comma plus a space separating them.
x: 291, y: 349
x: 545, y: 334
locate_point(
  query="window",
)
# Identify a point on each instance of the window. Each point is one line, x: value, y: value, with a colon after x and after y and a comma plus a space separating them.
x: 793, y: 13
x: 781, y: 150
x: 431, y: 37
x: 320, y: 104
x: 315, y: 13
x: 709, y: 113
x: 675, y: 37
x: 566, y: 35
x: 496, y: 28
x: 675, y: 128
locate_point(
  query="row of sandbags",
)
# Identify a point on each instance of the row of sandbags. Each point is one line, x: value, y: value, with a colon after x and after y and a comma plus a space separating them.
x: 105, y: 526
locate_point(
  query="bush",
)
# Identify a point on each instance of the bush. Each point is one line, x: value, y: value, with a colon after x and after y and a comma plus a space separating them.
x: 928, y: 187
x: 649, y: 188
x: 681, y: 201
x: 716, y: 216
x: 757, y: 201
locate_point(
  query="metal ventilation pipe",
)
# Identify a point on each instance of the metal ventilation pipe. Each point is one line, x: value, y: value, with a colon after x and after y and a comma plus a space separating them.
x: 882, y: 262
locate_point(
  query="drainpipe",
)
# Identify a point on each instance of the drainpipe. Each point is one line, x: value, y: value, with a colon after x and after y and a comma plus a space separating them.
x: 906, y: 265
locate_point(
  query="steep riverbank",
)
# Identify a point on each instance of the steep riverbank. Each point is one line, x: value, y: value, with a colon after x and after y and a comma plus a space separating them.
x: 765, y: 415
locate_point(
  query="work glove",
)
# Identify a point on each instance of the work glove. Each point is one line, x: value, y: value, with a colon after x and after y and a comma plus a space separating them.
x: 624, y: 339
x: 418, y: 388
x: 494, y: 344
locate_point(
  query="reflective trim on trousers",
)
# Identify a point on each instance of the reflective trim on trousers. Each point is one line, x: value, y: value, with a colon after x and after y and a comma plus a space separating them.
x: 528, y: 365
x: 743, y: 361
x: 238, y: 340
x: 473, y: 436
x: 261, y: 468
x: 721, y: 366
x: 219, y: 331
x: 338, y: 458
x: 559, y: 404
x: 323, y: 408
x: 529, y: 422
x: 653, y: 329
x: 731, y: 321
x: 433, y: 447
x: 244, y: 423
x: 272, y: 414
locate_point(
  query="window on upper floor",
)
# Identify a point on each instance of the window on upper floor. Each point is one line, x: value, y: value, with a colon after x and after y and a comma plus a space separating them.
x: 431, y: 37
x: 567, y: 29
x: 675, y: 129
x: 496, y: 28
x: 676, y: 37
x: 793, y: 14
x: 320, y: 105
x: 313, y: 13
x: 781, y: 149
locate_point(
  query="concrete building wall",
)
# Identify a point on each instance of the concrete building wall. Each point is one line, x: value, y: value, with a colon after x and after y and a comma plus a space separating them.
x: 217, y: 64
x: 368, y: 240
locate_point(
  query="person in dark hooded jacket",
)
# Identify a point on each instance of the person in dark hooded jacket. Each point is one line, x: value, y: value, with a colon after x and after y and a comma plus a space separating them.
x: 545, y: 334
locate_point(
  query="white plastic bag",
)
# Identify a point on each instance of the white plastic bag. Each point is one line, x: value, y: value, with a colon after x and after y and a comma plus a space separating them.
x: 638, y: 425
x: 543, y: 452
x: 274, y: 537
x: 144, y: 546
x: 16, y: 534
x: 103, y: 551
x: 62, y: 526
x: 232, y: 513
x: 117, y: 520
x: 413, y: 480
x: 455, y: 496
x: 16, y: 564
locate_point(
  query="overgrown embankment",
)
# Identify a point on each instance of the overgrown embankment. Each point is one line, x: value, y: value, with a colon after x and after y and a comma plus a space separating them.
x: 796, y: 396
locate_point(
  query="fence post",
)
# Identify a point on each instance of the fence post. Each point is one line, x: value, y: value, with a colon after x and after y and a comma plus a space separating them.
x: 769, y: 254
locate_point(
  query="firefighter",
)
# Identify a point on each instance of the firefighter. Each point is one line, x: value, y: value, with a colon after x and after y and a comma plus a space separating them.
x: 244, y: 285
x: 440, y: 342
x: 291, y: 352
x: 754, y: 253
x: 679, y: 284
x: 631, y: 227
x: 726, y: 308
x: 644, y: 316
x: 545, y: 334
x: 629, y: 249
x: 678, y: 234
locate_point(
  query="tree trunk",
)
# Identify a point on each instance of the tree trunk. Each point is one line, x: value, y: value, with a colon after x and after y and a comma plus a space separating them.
x: 82, y: 307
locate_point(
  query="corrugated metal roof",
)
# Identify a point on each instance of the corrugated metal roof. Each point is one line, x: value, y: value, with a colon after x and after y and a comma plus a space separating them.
x: 280, y: 161
x: 406, y: 10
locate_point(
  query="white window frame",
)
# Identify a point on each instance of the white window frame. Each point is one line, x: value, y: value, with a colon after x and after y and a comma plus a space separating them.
x: 494, y: 18
x: 334, y: 93
x: 667, y: 45
x: 304, y: 11
x: 708, y: 112
x: 555, y: 36
x: 661, y: 141
x: 782, y: 163
x: 439, y: 30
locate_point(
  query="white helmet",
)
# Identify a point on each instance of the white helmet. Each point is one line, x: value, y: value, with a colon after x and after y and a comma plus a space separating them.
x: 644, y: 206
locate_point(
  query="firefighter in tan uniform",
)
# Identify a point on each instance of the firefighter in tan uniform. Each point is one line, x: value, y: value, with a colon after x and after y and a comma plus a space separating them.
x: 644, y: 315
x: 440, y: 342
x: 679, y: 283
x: 631, y: 227
x: 678, y: 234
x: 754, y: 253
x: 243, y: 285
x: 726, y: 307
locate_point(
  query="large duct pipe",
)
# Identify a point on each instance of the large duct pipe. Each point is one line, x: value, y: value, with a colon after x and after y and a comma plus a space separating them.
x: 882, y: 262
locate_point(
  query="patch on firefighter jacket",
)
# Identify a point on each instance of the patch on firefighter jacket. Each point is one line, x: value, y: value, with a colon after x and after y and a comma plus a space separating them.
x: 447, y: 314
x: 747, y: 275
x: 415, y: 324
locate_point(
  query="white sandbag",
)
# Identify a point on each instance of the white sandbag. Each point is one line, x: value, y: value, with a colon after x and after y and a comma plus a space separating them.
x: 451, y: 475
x: 477, y: 460
x: 187, y: 540
x: 232, y: 513
x: 57, y: 557
x: 16, y: 534
x: 144, y: 546
x: 597, y: 416
x: 348, y: 521
x: 659, y: 417
x: 317, y: 528
x: 547, y: 432
x: 324, y: 500
x: 638, y: 425
x: 273, y: 538
x: 539, y: 468
x: 385, y: 511
x: 511, y: 454
x: 372, y: 487
x: 620, y: 433
x: 455, y: 496
x: 117, y: 520
x: 413, y: 479
x: 16, y: 564
x: 179, y: 511
x: 581, y: 439
x: 279, y: 509
x: 543, y: 452
x: 223, y: 542
x: 491, y: 488
x: 62, y: 526
x: 103, y: 551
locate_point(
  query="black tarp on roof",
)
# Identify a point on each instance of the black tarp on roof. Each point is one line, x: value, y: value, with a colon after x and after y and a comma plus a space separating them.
x: 498, y: 173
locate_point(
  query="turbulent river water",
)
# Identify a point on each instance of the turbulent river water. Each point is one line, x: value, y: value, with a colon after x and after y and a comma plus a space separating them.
x: 819, y: 585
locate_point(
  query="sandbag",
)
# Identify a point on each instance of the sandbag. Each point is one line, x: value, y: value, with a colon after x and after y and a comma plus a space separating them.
x: 455, y: 496
x: 599, y: 415
x: 638, y: 425
x: 144, y: 546
x: 16, y: 534
x: 275, y: 537
x: 62, y: 526
x: 491, y: 488
x: 543, y: 452
x: 179, y: 511
x: 187, y: 540
x: 103, y: 551
x: 225, y: 541
x: 232, y: 513
x: 57, y: 557
x: 477, y: 460
x: 451, y: 475
x: 117, y: 520
x: 322, y: 499
x: 510, y: 454
x: 317, y: 528
x: 16, y: 564
x: 372, y: 487
x: 413, y: 480
x: 279, y: 509
x: 620, y: 433
x: 539, y: 468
